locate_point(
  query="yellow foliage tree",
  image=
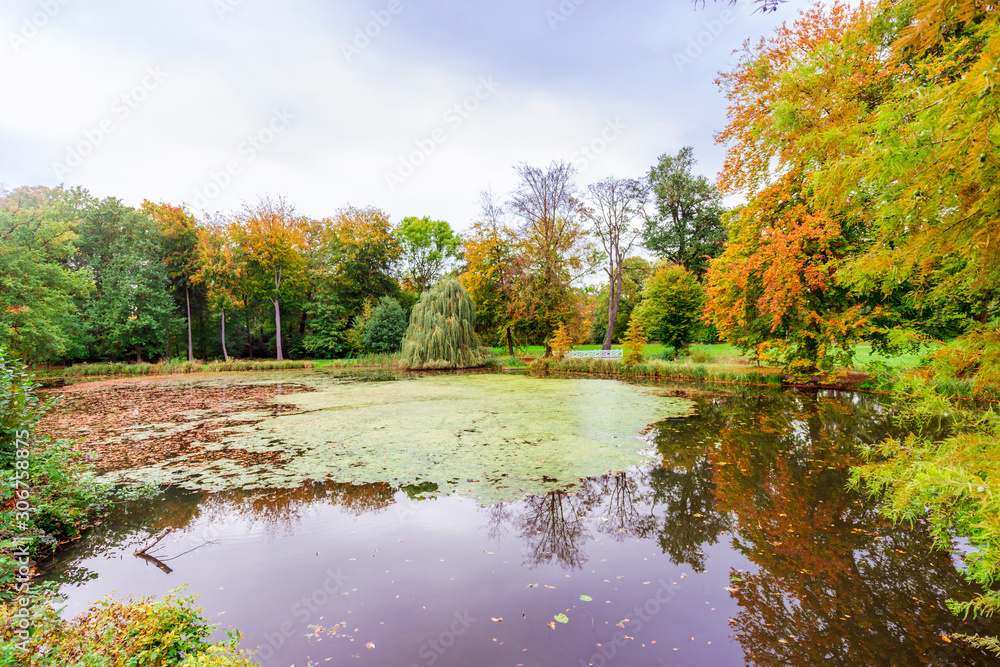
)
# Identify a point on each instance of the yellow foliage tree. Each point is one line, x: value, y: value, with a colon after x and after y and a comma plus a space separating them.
x: 561, y: 342
x: 635, y: 340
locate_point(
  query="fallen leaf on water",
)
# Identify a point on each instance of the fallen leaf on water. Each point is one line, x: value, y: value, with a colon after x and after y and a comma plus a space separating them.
x: 552, y: 624
x: 562, y: 618
x: 946, y: 638
x: 586, y: 598
x: 496, y: 619
x: 370, y: 645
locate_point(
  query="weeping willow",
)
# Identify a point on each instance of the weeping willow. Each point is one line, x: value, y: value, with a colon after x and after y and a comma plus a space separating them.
x: 442, y: 331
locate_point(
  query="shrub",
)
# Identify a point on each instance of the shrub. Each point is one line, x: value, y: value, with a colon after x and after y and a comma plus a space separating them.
x: 385, y: 328
x: 121, y: 633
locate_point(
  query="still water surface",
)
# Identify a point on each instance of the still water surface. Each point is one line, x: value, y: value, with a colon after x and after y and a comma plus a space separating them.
x: 743, y: 545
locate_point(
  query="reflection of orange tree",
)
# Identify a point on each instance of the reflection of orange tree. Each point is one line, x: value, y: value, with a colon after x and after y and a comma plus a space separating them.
x: 836, y: 583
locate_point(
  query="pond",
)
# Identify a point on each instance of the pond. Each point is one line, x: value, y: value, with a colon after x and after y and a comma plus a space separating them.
x: 499, y: 519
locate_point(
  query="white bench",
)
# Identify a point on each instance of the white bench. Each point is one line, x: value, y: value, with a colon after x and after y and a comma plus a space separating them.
x: 610, y: 355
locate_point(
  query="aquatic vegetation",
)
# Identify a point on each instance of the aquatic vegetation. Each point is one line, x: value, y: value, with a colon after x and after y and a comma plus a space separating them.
x: 495, y: 437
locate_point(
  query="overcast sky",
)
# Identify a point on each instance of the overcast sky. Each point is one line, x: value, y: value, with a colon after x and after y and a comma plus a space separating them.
x: 409, y: 105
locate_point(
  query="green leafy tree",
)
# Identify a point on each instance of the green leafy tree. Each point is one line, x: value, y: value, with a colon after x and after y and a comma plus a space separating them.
x: 385, y: 328
x: 671, y: 306
x: 442, y: 331
x: 326, y: 337
x: 38, y: 313
x: 685, y: 227
x: 131, y: 309
x: 428, y: 248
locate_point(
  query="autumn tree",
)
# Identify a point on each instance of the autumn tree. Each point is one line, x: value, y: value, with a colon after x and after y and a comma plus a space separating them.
x: 180, y: 246
x: 684, y: 227
x: 429, y: 248
x: 795, y: 99
x: 612, y: 206
x: 489, y: 273
x: 554, y: 250
x: 363, y: 251
x: 272, y: 236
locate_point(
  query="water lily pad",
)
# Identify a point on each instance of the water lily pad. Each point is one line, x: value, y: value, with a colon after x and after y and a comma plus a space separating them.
x: 561, y: 618
x: 586, y: 598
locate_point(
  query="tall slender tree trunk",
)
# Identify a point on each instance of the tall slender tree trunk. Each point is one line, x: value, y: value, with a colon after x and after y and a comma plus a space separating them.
x: 277, y: 327
x: 249, y: 336
x: 510, y: 343
x: 614, y: 302
x: 187, y: 298
x: 225, y: 354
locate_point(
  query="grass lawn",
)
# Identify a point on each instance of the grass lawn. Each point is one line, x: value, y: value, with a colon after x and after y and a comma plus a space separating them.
x: 719, y: 352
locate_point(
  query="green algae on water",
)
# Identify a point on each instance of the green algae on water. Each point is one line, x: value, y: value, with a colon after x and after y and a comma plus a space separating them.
x: 494, y: 437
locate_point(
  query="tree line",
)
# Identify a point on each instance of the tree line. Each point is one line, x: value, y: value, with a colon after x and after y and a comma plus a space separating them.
x: 88, y: 279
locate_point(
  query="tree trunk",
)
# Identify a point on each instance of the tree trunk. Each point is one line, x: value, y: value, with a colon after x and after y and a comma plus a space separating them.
x: 614, y: 301
x: 225, y: 354
x: 277, y: 327
x: 249, y: 337
x: 166, y: 347
x: 187, y: 298
x: 548, y: 350
x: 510, y: 343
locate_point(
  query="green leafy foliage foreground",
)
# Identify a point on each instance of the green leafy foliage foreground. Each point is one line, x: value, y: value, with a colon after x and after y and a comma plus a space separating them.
x: 47, y: 495
x: 121, y: 633
x: 947, y: 470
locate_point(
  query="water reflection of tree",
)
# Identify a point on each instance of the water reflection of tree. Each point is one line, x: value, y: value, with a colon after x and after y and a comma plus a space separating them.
x: 194, y: 514
x: 835, y: 584
x: 552, y: 527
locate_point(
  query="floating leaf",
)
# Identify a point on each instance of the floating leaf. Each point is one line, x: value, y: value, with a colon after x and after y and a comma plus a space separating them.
x: 586, y: 598
x: 562, y: 618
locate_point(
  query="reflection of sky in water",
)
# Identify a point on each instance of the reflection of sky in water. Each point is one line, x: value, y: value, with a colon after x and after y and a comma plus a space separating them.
x: 742, y: 546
